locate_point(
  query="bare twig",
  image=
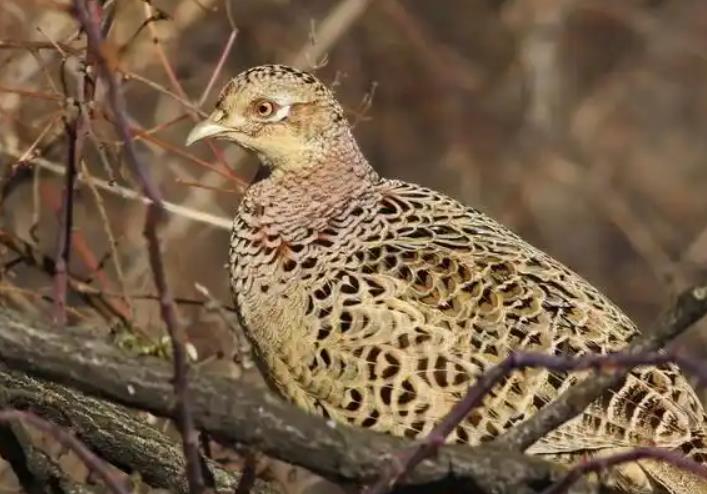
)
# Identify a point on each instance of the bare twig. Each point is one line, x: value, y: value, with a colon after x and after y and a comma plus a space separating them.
x: 219, y: 67
x: 690, y: 307
x: 63, y: 244
x: 243, y: 347
x: 10, y: 44
x: 31, y: 94
x: 248, y: 475
x: 174, y: 81
x: 30, y: 256
x: 154, y: 216
x: 336, y: 23
x: 219, y: 222
x: 29, y: 153
x: 112, y: 242
x: 76, y: 129
x: 604, y: 463
x: 94, y: 464
x: 399, y: 467
x: 190, y: 437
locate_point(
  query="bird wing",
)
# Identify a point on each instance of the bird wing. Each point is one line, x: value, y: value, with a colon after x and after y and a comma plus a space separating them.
x: 432, y: 294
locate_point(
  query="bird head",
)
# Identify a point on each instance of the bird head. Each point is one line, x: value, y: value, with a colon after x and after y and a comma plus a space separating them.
x: 284, y: 115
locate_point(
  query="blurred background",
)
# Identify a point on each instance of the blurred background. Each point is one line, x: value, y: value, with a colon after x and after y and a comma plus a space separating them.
x: 580, y: 124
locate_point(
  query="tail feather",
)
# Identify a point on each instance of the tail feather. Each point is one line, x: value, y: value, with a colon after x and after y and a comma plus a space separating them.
x: 675, y: 480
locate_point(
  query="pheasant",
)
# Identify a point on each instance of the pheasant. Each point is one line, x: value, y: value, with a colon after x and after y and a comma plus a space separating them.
x: 377, y: 302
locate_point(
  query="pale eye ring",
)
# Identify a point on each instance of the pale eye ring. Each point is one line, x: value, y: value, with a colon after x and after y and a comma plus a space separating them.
x: 264, y: 108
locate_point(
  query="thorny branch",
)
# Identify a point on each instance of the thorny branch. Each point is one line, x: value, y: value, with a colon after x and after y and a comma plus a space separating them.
x: 154, y: 216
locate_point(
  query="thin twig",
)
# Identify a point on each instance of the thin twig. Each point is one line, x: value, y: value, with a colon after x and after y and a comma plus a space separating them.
x: 112, y: 242
x: 27, y: 155
x: 134, y: 76
x: 155, y: 214
x: 336, y: 23
x: 63, y: 244
x: 604, y: 463
x: 10, y: 44
x: 92, y: 462
x: 248, y: 474
x: 407, y: 460
x: 31, y: 94
x: 190, y: 436
x: 220, y: 222
x: 690, y: 307
x: 219, y: 66
x: 243, y: 347
x: 174, y: 81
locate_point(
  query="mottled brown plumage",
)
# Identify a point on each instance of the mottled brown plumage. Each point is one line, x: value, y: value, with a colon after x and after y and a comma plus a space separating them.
x: 377, y: 302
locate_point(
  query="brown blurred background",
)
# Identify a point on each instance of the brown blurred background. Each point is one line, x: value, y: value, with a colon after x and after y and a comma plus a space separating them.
x: 581, y: 124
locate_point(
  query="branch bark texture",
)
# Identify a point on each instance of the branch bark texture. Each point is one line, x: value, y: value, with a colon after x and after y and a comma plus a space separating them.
x: 235, y: 412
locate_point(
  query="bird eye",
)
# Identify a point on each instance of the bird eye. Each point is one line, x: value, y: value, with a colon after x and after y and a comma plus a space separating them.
x: 264, y: 108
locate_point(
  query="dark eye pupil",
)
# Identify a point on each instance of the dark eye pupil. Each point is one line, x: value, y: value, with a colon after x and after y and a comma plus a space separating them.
x: 264, y: 108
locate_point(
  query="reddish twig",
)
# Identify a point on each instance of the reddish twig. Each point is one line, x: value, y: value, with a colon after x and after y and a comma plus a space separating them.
x: 600, y: 464
x: 690, y: 307
x: 63, y: 244
x: 408, y: 459
x: 174, y: 81
x: 155, y: 214
x: 76, y: 129
x: 92, y: 462
x: 80, y: 246
x: 218, y: 68
x: 249, y: 474
x: 190, y: 437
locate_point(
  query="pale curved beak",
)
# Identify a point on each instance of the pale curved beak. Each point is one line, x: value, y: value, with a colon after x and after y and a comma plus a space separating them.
x: 205, y: 129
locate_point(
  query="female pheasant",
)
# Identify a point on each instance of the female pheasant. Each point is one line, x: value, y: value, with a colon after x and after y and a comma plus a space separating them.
x: 378, y: 302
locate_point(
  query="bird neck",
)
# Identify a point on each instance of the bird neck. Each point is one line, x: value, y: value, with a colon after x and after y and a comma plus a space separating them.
x: 308, y: 193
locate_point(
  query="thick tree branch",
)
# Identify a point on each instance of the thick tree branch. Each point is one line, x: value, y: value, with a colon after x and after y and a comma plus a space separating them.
x: 41, y: 474
x: 113, y: 483
x: 234, y: 412
x: 115, y: 433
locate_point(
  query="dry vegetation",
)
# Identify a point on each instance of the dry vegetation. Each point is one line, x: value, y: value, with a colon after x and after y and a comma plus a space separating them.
x: 579, y: 123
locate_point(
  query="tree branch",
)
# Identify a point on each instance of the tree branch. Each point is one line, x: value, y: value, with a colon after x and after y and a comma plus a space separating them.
x: 235, y: 412
x: 95, y: 464
x: 114, y: 432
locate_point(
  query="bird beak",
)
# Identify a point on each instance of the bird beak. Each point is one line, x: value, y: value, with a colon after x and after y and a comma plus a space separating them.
x: 205, y: 129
